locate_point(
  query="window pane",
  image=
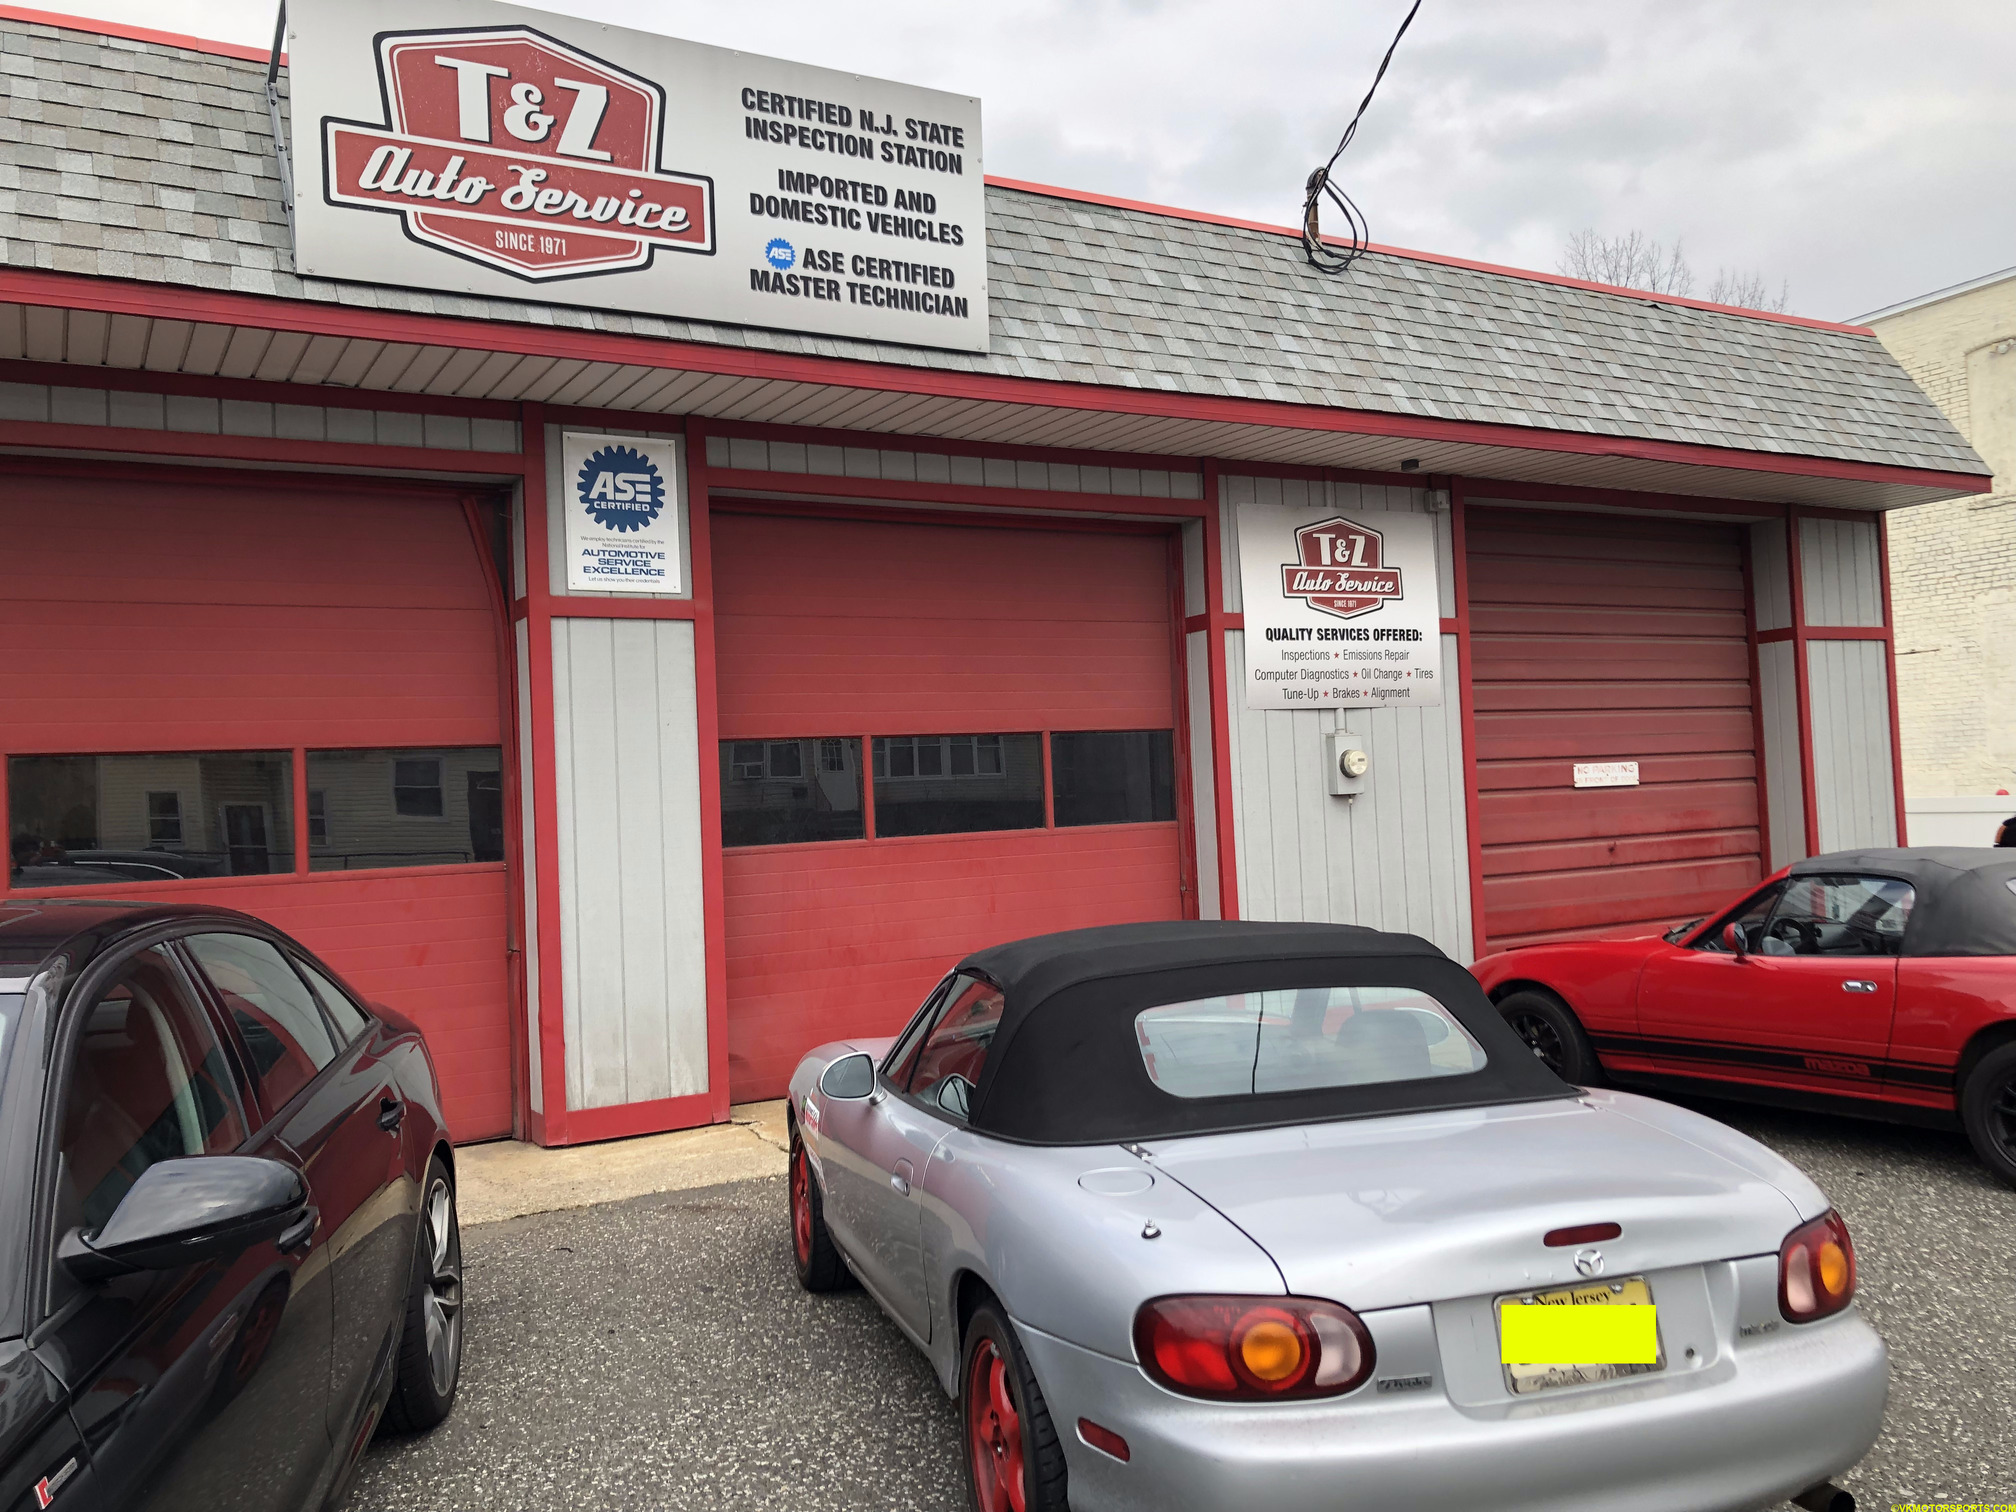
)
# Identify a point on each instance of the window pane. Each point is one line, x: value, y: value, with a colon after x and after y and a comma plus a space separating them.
x: 283, y: 1030
x: 1289, y: 1041
x: 79, y: 820
x: 1751, y: 914
x: 1839, y: 916
x: 948, y: 1070
x: 150, y: 1083
x: 1113, y: 776
x: 912, y: 801
x: 804, y: 790
x: 429, y: 807
x: 349, y: 1019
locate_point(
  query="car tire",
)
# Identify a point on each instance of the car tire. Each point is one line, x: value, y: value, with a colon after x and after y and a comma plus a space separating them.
x: 1008, y: 1438
x: 430, y: 1346
x: 1553, y: 1034
x: 813, y: 1253
x: 1988, y: 1111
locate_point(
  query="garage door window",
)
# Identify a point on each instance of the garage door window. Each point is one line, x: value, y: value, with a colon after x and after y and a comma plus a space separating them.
x: 431, y: 806
x: 1113, y: 776
x: 957, y: 784
x: 79, y: 821
x: 784, y: 792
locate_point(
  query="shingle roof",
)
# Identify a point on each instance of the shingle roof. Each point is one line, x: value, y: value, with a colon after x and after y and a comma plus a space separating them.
x: 137, y: 160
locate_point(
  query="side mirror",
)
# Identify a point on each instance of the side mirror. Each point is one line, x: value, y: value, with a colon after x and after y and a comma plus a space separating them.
x: 851, y: 1078
x: 179, y: 1212
x: 1736, y: 939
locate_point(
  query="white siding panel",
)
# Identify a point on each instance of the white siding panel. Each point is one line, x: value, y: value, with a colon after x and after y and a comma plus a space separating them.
x: 1778, y: 693
x: 1852, y: 774
x: 528, y: 872
x: 1840, y: 573
x: 1770, y: 576
x: 1203, y: 773
x: 626, y: 741
x: 1397, y: 857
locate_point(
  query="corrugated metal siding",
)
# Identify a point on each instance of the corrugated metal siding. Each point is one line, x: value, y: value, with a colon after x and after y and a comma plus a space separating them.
x: 1609, y: 638
x: 851, y: 627
x: 1778, y: 694
x: 1850, y: 698
x: 1843, y: 580
x: 1396, y: 857
x: 633, y: 944
x: 1770, y: 576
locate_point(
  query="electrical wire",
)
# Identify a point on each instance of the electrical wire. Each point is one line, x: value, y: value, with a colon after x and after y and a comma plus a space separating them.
x: 1323, y: 257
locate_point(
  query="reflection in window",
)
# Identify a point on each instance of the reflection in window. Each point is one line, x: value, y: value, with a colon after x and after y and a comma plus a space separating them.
x: 784, y: 792
x: 437, y: 806
x: 1113, y: 776
x: 75, y: 821
x: 1246, y: 1043
x: 956, y: 784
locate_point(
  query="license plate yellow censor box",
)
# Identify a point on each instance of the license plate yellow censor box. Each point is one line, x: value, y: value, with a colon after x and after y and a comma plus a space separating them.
x: 1579, y: 1335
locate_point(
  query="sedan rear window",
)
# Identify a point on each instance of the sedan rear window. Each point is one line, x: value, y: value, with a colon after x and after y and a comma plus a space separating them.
x: 1302, y: 1039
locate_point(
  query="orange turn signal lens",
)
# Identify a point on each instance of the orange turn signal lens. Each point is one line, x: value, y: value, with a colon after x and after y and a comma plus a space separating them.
x: 1816, y: 1270
x: 1253, y: 1348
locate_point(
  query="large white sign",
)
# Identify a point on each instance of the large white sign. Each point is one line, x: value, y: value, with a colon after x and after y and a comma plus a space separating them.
x: 622, y: 502
x: 485, y: 149
x: 1341, y: 609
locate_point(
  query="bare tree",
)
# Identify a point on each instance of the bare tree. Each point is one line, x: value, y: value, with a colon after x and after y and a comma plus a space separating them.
x: 1635, y: 261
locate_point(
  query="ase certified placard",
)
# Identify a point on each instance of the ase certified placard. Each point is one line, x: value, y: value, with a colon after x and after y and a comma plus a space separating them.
x: 486, y: 149
x: 1341, y: 607
x: 621, y: 495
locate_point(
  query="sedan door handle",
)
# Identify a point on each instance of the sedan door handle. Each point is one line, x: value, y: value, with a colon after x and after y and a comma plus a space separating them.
x: 1854, y: 986
x: 391, y: 1112
x: 900, y: 1186
x: 297, y: 1234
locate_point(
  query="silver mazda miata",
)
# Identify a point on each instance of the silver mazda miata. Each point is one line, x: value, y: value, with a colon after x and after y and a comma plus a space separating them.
x: 1225, y: 1215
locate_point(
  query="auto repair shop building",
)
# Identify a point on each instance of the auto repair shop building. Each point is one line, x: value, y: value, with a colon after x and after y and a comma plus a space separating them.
x: 945, y: 639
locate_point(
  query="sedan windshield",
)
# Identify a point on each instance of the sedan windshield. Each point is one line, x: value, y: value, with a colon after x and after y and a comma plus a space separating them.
x: 1302, y: 1039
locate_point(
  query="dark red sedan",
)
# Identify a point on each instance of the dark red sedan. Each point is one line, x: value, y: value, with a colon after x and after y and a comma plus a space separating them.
x: 1878, y: 982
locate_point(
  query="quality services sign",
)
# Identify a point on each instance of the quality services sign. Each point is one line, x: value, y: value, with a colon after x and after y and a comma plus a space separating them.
x: 478, y: 148
x: 1341, y: 609
x: 621, y: 495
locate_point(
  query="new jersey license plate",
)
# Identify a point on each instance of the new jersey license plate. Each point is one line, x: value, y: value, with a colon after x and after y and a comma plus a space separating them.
x: 1523, y: 1379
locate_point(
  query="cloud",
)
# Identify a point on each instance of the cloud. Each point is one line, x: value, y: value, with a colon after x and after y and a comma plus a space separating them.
x: 1859, y: 151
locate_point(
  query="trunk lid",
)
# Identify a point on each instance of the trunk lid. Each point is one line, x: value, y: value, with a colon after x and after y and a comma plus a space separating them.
x: 1426, y: 1207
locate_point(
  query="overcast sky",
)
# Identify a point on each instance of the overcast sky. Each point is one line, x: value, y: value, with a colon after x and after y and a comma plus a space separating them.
x: 1860, y: 149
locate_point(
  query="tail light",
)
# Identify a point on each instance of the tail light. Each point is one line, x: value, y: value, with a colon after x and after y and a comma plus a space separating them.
x: 1816, y: 1269
x: 1253, y: 1348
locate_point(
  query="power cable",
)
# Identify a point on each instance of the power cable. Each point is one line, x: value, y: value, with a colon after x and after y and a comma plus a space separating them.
x: 1322, y: 257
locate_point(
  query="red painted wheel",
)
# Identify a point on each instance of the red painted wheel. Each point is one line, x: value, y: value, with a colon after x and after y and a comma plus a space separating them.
x: 801, y: 1206
x: 994, y: 1433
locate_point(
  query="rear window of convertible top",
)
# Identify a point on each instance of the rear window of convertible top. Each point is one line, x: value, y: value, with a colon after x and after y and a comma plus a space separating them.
x: 1302, y: 1039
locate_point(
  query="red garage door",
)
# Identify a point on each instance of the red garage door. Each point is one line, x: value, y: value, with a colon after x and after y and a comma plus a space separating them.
x: 200, y: 675
x: 1601, y: 638
x: 1011, y: 696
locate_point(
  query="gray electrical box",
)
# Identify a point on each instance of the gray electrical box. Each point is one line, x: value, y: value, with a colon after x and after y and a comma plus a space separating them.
x: 1348, y: 763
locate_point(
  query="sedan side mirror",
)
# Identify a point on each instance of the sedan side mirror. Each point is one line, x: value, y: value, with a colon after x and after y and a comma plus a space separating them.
x: 179, y: 1212
x: 850, y: 1078
x: 1736, y: 939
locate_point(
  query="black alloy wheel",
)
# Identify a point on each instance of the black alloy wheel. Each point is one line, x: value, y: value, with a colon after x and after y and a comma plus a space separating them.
x: 1988, y: 1111
x: 1552, y: 1033
x: 430, y: 1349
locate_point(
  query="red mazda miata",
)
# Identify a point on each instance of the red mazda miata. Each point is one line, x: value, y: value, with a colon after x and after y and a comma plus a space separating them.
x: 1878, y: 982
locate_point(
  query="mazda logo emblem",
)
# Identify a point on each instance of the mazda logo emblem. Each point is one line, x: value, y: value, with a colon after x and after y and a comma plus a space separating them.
x: 1589, y: 1262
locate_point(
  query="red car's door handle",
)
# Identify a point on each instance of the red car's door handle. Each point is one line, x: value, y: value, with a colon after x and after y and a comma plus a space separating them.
x: 1855, y: 986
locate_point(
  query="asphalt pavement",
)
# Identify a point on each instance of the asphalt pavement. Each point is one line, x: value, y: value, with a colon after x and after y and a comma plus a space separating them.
x: 657, y: 1352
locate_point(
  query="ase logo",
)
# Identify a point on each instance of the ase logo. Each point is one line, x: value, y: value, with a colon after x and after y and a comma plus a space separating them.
x: 519, y: 152
x: 620, y: 488
x: 1338, y: 569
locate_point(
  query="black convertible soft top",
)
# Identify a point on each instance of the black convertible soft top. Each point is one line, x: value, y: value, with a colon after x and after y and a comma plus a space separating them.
x: 1065, y: 1067
x: 1964, y: 905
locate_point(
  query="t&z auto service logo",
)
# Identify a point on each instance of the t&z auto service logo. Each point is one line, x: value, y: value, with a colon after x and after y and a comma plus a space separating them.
x: 519, y: 152
x: 1339, y: 569
x: 620, y: 488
